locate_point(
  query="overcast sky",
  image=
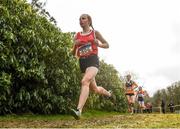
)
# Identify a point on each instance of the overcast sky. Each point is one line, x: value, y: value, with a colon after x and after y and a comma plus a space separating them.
x: 144, y: 35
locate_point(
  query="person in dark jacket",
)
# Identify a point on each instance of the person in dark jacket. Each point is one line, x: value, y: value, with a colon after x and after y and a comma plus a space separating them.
x: 163, y: 105
x: 171, y: 106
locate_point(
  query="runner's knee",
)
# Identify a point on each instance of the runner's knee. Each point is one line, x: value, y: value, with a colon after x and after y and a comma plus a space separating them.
x: 85, y: 81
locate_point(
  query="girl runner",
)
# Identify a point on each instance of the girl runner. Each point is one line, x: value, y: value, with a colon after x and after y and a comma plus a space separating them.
x: 140, y: 97
x: 129, y: 91
x: 86, y: 45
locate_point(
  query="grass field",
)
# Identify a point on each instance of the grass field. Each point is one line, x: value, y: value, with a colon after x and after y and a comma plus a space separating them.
x: 92, y: 119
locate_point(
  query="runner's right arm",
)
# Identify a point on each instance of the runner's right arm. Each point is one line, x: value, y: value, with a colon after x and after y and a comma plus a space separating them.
x: 75, y: 44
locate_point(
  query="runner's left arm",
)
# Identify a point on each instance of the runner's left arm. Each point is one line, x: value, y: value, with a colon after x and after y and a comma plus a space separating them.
x: 135, y: 85
x: 103, y: 43
x: 74, y: 49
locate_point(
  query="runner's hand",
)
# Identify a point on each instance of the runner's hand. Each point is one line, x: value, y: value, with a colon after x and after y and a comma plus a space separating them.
x: 77, y: 42
x: 96, y: 42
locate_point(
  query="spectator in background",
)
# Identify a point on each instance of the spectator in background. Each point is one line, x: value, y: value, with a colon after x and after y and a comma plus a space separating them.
x: 171, y: 106
x: 163, y: 105
x: 148, y: 107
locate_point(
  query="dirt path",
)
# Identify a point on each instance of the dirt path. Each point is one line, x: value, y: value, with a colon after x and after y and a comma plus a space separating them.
x: 115, y: 121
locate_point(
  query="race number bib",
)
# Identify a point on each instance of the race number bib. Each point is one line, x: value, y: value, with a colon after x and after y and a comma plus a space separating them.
x: 85, y: 49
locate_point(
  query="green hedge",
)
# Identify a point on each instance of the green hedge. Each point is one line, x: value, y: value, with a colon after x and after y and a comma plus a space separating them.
x: 38, y: 72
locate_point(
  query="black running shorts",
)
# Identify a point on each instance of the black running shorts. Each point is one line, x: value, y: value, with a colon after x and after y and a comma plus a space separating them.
x: 130, y: 94
x: 88, y: 61
x: 140, y: 99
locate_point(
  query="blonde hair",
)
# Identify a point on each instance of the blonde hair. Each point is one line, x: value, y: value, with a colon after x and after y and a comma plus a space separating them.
x: 89, y: 19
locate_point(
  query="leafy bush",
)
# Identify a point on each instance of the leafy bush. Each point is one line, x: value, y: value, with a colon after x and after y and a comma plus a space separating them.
x: 38, y: 72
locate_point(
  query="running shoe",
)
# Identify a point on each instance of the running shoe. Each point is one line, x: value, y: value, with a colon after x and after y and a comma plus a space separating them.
x: 112, y: 97
x: 76, y: 114
x: 110, y: 91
